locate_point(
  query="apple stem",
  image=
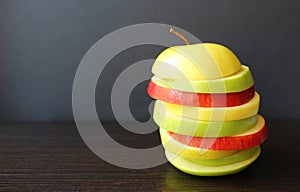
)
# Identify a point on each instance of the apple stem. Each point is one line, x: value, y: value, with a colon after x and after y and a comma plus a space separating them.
x: 172, y: 30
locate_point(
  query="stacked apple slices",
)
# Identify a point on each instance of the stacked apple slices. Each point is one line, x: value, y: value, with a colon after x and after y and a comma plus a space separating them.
x: 206, y: 109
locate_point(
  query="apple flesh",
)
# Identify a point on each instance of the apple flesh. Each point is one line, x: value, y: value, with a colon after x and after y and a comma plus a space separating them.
x: 249, y: 139
x: 196, y: 62
x: 200, y: 99
x: 202, y: 170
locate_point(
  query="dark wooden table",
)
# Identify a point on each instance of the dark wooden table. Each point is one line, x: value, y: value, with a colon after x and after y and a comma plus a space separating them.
x: 53, y: 157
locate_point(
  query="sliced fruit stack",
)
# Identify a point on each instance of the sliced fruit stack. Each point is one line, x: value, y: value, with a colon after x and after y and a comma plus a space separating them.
x: 206, y: 109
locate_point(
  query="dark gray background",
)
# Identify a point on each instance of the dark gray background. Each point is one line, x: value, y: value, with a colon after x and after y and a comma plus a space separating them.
x: 43, y: 41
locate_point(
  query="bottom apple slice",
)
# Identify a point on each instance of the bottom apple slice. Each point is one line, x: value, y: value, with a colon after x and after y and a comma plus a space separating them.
x: 202, y: 170
x: 235, y: 158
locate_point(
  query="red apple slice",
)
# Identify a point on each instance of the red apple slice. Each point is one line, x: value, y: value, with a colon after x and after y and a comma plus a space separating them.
x: 200, y: 99
x: 246, y: 140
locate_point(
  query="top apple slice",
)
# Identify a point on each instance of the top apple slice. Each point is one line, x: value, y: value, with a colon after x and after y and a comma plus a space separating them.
x: 204, y: 61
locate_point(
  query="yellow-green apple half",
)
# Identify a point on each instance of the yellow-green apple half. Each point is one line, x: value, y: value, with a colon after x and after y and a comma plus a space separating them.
x: 196, y: 62
x: 249, y: 139
x: 194, y: 168
x: 246, y: 110
x: 196, y: 128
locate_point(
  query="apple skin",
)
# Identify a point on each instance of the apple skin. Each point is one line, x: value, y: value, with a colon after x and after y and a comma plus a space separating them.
x: 249, y: 139
x: 190, y: 127
x: 237, y: 82
x: 201, y: 170
x: 213, y: 114
x: 196, y: 62
x: 237, y: 157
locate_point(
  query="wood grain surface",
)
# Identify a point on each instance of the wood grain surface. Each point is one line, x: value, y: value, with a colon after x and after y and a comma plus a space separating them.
x: 53, y: 157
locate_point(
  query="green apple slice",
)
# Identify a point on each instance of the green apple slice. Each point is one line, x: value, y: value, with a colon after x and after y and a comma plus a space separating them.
x: 237, y: 157
x: 196, y: 62
x: 172, y: 145
x: 237, y: 82
x: 186, y: 126
x: 246, y: 110
x: 202, y: 170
